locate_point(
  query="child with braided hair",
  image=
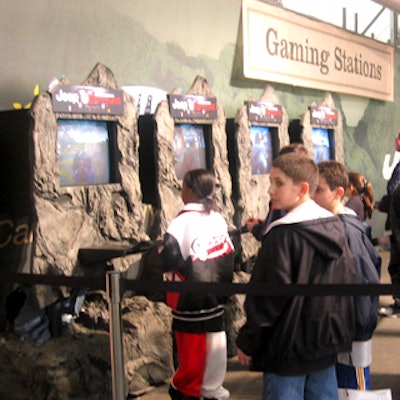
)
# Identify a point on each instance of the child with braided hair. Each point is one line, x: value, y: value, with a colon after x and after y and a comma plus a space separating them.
x: 360, y: 196
x: 198, y: 248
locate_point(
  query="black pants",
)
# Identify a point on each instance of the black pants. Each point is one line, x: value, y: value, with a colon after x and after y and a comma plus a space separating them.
x: 394, y: 265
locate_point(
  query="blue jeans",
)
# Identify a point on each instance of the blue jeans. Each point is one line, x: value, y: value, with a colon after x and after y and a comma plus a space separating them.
x: 320, y: 385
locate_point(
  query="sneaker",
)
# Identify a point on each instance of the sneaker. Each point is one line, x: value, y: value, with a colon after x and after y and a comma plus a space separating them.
x: 220, y: 394
x: 175, y: 394
x: 390, y: 311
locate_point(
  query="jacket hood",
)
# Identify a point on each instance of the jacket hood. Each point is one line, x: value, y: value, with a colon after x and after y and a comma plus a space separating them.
x: 349, y: 217
x: 320, y: 227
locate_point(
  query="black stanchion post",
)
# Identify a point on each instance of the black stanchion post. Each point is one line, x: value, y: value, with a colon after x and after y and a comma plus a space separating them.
x: 116, y: 348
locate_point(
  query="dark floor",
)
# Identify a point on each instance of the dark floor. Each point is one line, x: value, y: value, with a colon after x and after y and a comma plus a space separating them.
x: 385, y: 368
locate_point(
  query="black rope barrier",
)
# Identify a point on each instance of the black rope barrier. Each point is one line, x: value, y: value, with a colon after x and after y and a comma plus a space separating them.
x: 115, y: 286
x: 54, y: 280
x: 142, y: 286
x: 262, y: 289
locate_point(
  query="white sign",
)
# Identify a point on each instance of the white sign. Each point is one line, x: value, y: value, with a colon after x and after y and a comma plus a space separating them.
x: 146, y: 98
x: 285, y: 47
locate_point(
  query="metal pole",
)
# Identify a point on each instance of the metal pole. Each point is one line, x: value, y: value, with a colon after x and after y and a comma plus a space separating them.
x: 344, y: 19
x: 373, y: 20
x: 116, y: 348
x: 356, y: 23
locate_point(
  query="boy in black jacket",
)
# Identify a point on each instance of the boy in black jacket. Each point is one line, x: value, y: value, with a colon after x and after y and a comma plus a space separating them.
x: 353, y: 367
x: 295, y: 340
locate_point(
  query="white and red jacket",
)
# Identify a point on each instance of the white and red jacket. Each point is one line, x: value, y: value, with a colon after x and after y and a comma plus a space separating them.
x: 198, y: 249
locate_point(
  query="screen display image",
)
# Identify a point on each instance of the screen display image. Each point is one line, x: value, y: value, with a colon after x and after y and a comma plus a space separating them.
x: 189, y: 148
x: 321, y: 144
x: 261, y: 158
x: 83, y: 152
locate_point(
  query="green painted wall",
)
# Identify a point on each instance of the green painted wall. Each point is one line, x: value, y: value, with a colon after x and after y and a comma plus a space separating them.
x: 166, y: 44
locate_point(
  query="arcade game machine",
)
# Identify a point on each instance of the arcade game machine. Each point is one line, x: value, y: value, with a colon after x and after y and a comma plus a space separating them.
x: 82, y: 181
x: 259, y: 130
x: 186, y: 132
x: 323, y: 131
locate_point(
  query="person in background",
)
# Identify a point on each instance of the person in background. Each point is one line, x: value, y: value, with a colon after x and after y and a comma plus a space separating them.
x: 353, y: 368
x: 197, y: 248
x: 393, y: 310
x: 383, y: 204
x: 294, y: 340
x: 360, y: 196
x: 257, y: 226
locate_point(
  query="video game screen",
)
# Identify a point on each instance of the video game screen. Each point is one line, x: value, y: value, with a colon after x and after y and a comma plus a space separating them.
x: 189, y: 148
x: 321, y: 144
x: 262, y: 150
x: 83, y: 152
